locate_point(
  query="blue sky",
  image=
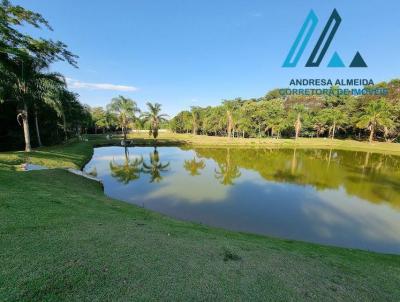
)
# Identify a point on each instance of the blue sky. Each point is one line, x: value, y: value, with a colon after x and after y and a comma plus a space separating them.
x: 182, y: 53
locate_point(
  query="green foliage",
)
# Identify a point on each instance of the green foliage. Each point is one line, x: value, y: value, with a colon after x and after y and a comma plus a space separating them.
x: 124, y: 110
x: 330, y: 116
x: 154, y: 118
x: 41, y: 97
x: 377, y: 115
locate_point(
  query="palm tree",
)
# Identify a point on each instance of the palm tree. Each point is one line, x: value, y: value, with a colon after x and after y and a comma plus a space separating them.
x: 298, y: 110
x: 28, y: 87
x: 155, y: 167
x: 128, y: 171
x: 61, y: 100
x: 34, y: 87
x: 50, y: 89
x: 125, y: 109
x: 195, y: 119
x: 376, y: 114
x: 19, y: 52
x: 334, y: 118
x: 154, y: 118
x: 13, y: 79
x: 229, y: 107
x: 193, y: 166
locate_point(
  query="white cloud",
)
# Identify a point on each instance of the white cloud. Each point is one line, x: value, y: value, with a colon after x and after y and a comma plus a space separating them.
x: 72, y: 83
x: 370, y: 221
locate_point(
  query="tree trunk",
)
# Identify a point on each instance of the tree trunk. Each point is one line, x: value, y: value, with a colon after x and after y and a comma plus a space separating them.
x: 37, y: 129
x: 230, y: 123
x: 294, y: 162
x: 297, y: 126
x: 329, y: 158
x: 65, y: 127
x: 124, y: 132
x: 333, y: 130
x: 25, y: 124
x: 371, y: 134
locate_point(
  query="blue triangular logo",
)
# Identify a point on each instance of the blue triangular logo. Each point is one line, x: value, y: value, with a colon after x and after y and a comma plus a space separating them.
x: 336, y: 61
x: 358, y: 61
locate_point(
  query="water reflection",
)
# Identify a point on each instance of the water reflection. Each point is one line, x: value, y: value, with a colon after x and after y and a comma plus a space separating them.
x: 327, y: 196
x: 155, y: 167
x: 227, y: 170
x: 193, y: 166
x: 129, y: 170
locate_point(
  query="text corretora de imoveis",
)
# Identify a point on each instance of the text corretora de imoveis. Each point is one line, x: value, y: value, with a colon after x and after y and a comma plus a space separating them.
x: 320, y: 87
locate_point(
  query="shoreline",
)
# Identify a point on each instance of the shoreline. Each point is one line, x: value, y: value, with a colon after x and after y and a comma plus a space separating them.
x: 73, y: 217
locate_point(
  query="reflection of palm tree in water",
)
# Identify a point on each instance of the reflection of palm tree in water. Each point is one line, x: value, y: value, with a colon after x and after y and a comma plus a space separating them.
x: 292, y: 173
x: 227, y: 171
x: 155, y: 167
x: 293, y: 166
x: 365, y: 167
x: 128, y: 171
x: 193, y: 166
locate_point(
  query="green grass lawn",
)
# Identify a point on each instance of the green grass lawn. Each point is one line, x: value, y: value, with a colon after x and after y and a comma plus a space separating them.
x: 61, y: 238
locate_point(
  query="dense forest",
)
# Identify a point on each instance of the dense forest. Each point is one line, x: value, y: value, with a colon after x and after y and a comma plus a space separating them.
x: 363, y: 117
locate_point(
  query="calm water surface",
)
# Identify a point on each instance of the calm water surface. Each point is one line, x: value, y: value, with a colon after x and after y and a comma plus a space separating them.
x: 341, y: 198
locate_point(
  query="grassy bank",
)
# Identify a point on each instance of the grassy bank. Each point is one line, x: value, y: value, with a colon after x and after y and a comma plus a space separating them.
x: 61, y: 238
x: 74, y: 154
x: 207, y: 141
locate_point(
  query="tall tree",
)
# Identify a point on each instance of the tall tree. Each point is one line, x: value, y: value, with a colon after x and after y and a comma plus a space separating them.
x: 154, y: 117
x: 18, y: 49
x: 333, y: 118
x: 230, y: 106
x: 99, y: 118
x: 125, y: 109
x: 195, y: 111
x: 375, y: 115
x: 43, y: 87
x: 297, y: 113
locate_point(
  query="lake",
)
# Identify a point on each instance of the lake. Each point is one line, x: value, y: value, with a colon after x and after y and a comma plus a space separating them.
x: 340, y: 198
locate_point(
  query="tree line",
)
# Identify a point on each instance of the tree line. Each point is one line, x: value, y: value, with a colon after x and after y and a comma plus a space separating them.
x: 367, y: 117
x: 123, y: 113
x: 32, y: 96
